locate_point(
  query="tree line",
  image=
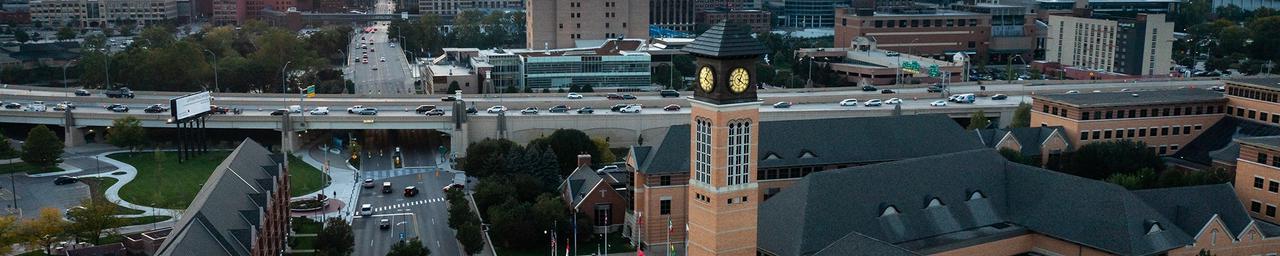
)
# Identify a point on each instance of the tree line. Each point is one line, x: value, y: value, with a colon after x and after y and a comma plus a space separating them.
x: 427, y: 36
x: 1227, y: 37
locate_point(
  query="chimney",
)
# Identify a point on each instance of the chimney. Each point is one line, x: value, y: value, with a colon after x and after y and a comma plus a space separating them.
x: 584, y: 159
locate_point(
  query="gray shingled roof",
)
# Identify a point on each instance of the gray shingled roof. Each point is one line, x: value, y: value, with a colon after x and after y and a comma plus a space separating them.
x: 1267, y: 81
x: 1107, y: 99
x: 1032, y: 138
x: 580, y: 183
x: 1192, y: 207
x: 830, y: 141
x: 825, y: 206
x: 726, y: 40
x: 1217, y: 142
x: 1272, y: 142
x: 214, y: 223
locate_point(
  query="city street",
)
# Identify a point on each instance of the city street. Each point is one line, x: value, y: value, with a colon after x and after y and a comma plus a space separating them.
x: 387, y: 70
x: 417, y: 148
x: 424, y: 216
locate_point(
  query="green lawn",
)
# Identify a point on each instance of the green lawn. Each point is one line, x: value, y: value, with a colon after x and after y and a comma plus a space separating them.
x: 304, y: 243
x: 306, y: 226
x: 98, y: 186
x: 178, y: 184
x: 27, y: 168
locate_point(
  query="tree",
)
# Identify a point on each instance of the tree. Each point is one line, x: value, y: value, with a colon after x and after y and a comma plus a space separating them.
x: 66, y: 33
x: 8, y: 233
x: 978, y: 121
x: 127, y: 132
x: 1021, y: 116
x: 471, y: 239
x: 1017, y: 157
x: 459, y: 211
x: 567, y: 145
x: 1099, y: 160
x: 47, y: 228
x: 510, y: 224
x: 1141, y: 179
x: 453, y: 87
x: 1264, y: 37
x: 336, y: 238
x: 6, y: 151
x: 606, y: 155
x: 93, y: 221
x: 588, y: 88
x: 413, y: 247
x: 21, y: 36
x: 42, y: 147
x: 481, y: 157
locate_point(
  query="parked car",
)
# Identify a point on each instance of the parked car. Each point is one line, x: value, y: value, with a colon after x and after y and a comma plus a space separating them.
x: 155, y: 108
x: 424, y: 108
x: 320, y: 111
x: 869, y: 88
x: 369, y: 112
x: 574, y: 96
x: 496, y: 109
x: 82, y: 92
x: 64, y: 180
x: 558, y: 109
x: 938, y: 103
x: 119, y: 108
x: 782, y: 104
x: 366, y: 210
x: 435, y: 112
x: 613, y: 96
x: 872, y: 103
x: 893, y: 101
x: 368, y: 183
x: 454, y: 186
x: 586, y: 110
x: 672, y: 107
x: 628, y: 97
x: 887, y: 91
x: 849, y: 102
x: 529, y: 111
x: 999, y: 97
x: 279, y: 112
x: 631, y: 109
x: 355, y: 109
x: 410, y: 191
x: 669, y: 93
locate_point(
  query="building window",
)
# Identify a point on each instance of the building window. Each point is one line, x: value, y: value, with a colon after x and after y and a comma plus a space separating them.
x: 1163, y: 149
x: 739, y: 147
x: 1252, y: 113
x: 664, y: 207
x: 1271, y: 210
x: 1164, y: 131
x: 1131, y: 132
x: 1132, y: 112
x: 1119, y: 134
x: 664, y: 180
x: 1186, y: 129
x: 1142, y: 113
x: 1109, y: 114
x: 1255, y: 206
x: 1262, y: 158
x: 702, y: 162
x: 1084, y: 135
x: 1176, y: 131
x: 1097, y: 115
x: 1142, y: 132
x: 1257, y: 182
x: 1273, y: 186
x: 1097, y: 134
x: 1106, y: 134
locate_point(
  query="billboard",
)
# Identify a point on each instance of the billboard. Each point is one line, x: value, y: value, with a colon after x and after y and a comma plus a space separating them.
x: 190, y: 105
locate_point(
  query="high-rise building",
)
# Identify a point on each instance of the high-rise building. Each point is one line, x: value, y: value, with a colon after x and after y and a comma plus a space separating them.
x: 553, y: 24
x: 98, y: 13
x: 448, y: 9
x: 678, y: 15
x: 809, y: 13
x: 1137, y: 46
x: 724, y: 188
x: 921, y: 31
x: 238, y: 11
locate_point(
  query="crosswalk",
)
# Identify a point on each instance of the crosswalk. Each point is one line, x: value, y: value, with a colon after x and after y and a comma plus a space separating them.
x: 377, y: 175
x: 407, y: 204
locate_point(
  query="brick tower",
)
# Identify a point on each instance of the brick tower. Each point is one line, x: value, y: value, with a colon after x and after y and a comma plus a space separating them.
x: 725, y: 112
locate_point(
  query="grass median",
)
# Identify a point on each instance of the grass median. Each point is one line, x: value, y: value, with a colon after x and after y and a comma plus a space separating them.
x: 21, y: 167
x: 163, y: 182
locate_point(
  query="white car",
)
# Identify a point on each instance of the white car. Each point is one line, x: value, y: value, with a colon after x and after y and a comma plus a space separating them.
x: 893, y: 101
x: 366, y: 209
x: 355, y: 109
x: 382, y: 59
x: 631, y: 109
x: 496, y: 109
x: 872, y: 103
x: 938, y: 103
x: 320, y: 111
x: 849, y: 102
x: 1073, y: 92
x: 574, y: 96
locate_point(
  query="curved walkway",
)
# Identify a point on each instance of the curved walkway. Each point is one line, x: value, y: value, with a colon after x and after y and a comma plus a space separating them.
x: 113, y: 193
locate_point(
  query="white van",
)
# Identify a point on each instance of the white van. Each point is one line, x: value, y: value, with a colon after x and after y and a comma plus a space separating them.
x: 965, y: 98
x: 631, y: 109
x: 37, y: 106
x: 295, y: 109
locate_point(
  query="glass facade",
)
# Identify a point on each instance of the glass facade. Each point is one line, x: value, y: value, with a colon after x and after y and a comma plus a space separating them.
x: 597, y: 71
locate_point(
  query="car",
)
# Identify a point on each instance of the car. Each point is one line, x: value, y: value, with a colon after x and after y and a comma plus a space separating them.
x: 672, y: 107
x: 934, y: 88
x: 617, y: 107
x: 1124, y: 89
x: 36, y: 106
x: 869, y: 88
x: 1219, y: 88
x: 13, y: 105
x: 62, y: 107
x: 628, y: 97
x: 215, y: 109
x: 574, y: 96
x: 496, y: 109
x: 529, y: 111
x: 586, y: 110
x: 364, y: 46
x: 472, y: 110
x: 424, y: 108
x: 295, y: 109
x: 373, y: 50
x: 849, y: 102
x: 382, y: 59
x: 366, y: 209
x: 1073, y: 92
x: 364, y: 61
x: 68, y: 105
x: 384, y: 224
x: 872, y: 103
x: 279, y: 112
x: 454, y: 186
x: 368, y: 183
x: 999, y: 97
x: 82, y: 92
x: 354, y: 109
x: 64, y: 180
x: 448, y: 98
x: 887, y: 91
x: 375, y: 68
x: 938, y: 103
x: 893, y: 101
x: 155, y: 108
x: 782, y: 104
x: 386, y: 187
x: 558, y: 109
x: 369, y: 112
x: 631, y: 109
x: 119, y: 108
x: 613, y: 96
x: 320, y: 111
x: 669, y: 93
x: 1097, y: 91
x: 410, y: 191
x: 435, y: 112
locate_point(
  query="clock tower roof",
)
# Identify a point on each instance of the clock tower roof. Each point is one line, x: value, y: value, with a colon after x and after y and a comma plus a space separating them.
x: 725, y: 40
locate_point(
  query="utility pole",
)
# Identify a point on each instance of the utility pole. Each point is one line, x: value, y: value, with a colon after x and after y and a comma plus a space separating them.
x: 215, y: 70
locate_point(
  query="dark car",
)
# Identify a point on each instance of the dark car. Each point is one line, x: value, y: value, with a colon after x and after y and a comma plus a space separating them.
x: 279, y: 112
x: 64, y: 180
x: 218, y: 109
x: 384, y: 224
x: 999, y: 97
x: 558, y: 109
x: 669, y: 93
x: 628, y: 97
x: 586, y: 110
x: 934, y: 88
x: 886, y: 91
x: 424, y: 108
x: 155, y: 108
x: 82, y: 92
x: 617, y: 107
x: 13, y: 105
x: 869, y: 88
x: 410, y: 191
x: 369, y: 112
x: 435, y: 112
x: 672, y: 107
x: 472, y: 110
x: 613, y: 96
x: 117, y: 108
x: 454, y: 186
x: 448, y: 98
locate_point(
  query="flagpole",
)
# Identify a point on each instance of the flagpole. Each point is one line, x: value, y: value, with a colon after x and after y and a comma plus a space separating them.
x: 575, y: 231
x: 669, y: 236
x: 606, y: 234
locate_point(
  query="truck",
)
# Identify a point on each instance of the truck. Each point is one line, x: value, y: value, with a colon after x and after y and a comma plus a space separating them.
x: 122, y: 92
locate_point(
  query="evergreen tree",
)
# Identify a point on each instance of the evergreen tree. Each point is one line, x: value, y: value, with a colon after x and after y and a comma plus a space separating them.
x: 1021, y: 116
x: 978, y: 121
x: 42, y: 147
x: 336, y: 238
x: 127, y: 132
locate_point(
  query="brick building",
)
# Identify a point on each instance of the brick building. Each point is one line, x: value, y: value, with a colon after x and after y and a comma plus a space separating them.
x: 1045, y: 144
x: 95, y: 13
x: 555, y: 24
x: 930, y: 33
x: 761, y: 21
x: 239, y: 11
x: 596, y: 194
x: 243, y: 209
x: 1139, y: 46
x: 1164, y: 120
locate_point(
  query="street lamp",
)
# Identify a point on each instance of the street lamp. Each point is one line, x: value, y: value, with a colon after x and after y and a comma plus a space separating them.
x: 64, y: 76
x: 215, y: 70
x: 1009, y: 67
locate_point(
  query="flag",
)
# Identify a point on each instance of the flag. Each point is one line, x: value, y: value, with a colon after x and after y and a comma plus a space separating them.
x: 670, y: 229
x: 673, y: 249
x: 640, y: 252
x: 566, y: 247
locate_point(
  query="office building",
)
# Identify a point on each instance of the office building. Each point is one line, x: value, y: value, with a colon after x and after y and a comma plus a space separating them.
x: 1164, y: 120
x: 1087, y: 48
x: 809, y: 13
x: 760, y: 21
x: 932, y: 33
x: 100, y: 13
x: 557, y: 24
x: 678, y: 15
x: 239, y: 11
x: 448, y: 9
x: 1013, y: 32
x: 616, y: 63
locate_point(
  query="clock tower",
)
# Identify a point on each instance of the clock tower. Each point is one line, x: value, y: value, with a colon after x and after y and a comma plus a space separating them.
x: 723, y: 193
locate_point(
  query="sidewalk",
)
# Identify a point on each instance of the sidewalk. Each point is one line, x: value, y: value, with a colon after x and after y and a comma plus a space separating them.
x: 113, y: 193
x: 343, y: 182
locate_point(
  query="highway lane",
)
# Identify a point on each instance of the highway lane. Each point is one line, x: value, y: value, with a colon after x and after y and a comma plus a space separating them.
x: 387, y: 69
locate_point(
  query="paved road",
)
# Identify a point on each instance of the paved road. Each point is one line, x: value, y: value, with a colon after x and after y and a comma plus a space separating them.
x: 387, y: 70
x: 424, y: 216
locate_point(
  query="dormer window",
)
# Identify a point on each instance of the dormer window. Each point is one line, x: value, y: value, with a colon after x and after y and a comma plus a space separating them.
x: 976, y: 195
x: 807, y: 154
x: 1153, y: 227
x: 934, y: 203
x: 771, y: 156
x: 889, y: 210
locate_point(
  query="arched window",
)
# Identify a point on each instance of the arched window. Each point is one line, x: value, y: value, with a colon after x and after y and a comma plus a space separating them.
x: 702, y: 160
x: 739, y: 146
x: 889, y: 210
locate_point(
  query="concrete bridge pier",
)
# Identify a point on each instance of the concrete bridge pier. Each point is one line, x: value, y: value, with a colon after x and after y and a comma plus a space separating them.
x: 458, y: 141
x: 74, y: 136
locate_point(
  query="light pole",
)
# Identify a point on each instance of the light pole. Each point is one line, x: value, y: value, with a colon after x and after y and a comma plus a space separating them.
x: 1008, y: 72
x: 215, y: 70
x: 64, y: 76
x: 284, y: 81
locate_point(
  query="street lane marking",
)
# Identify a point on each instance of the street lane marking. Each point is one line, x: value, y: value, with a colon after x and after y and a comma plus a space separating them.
x: 407, y: 204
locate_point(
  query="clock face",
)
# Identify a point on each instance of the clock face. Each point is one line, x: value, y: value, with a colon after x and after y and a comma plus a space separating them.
x: 706, y: 79
x: 739, y: 79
